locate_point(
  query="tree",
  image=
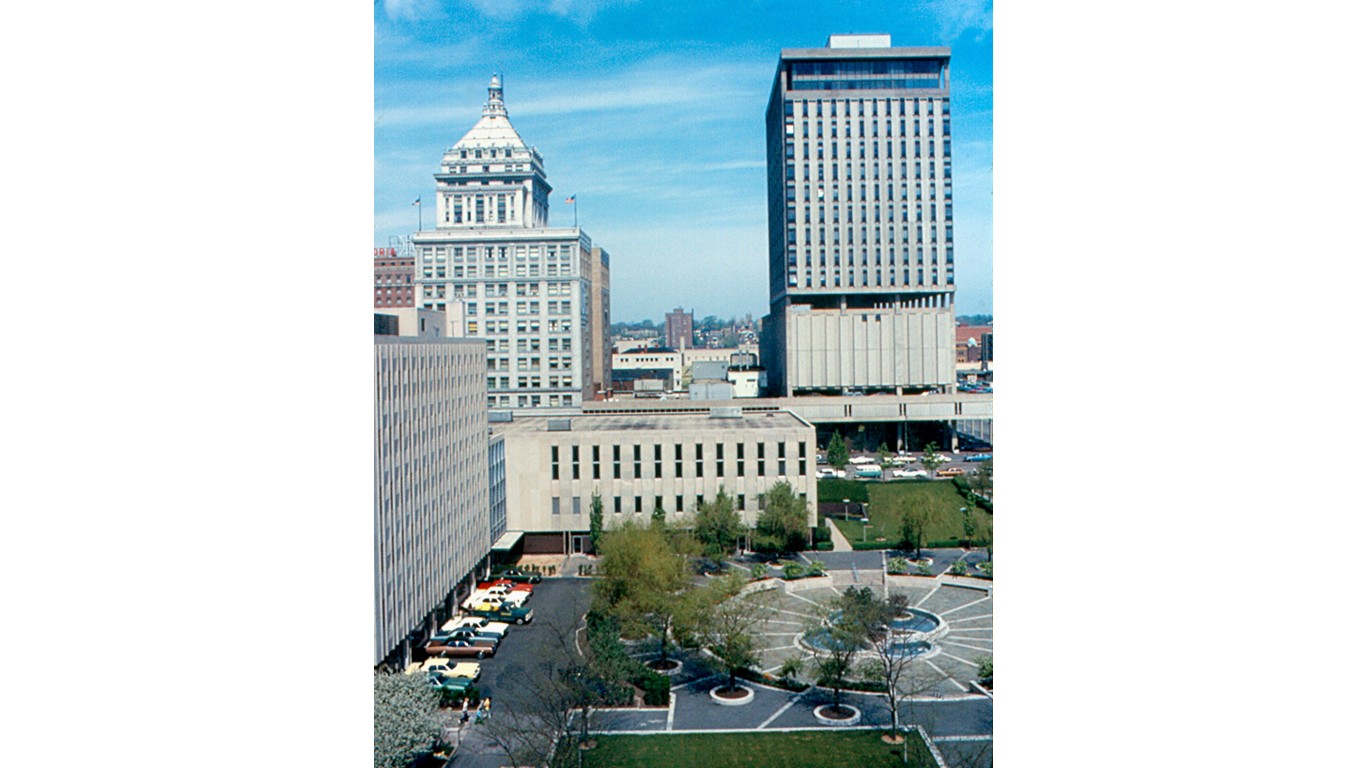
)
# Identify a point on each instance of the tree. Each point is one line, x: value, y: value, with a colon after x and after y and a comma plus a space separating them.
x: 595, y: 520
x: 836, y: 452
x: 915, y: 517
x: 657, y: 516
x: 644, y: 580
x: 541, y: 694
x: 892, y: 663
x: 844, y: 624
x: 730, y: 621
x: 969, y: 526
x: 406, y: 722
x: 782, y: 526
x: 931, y: 458
x: 980, y: 479
x: 884, y: 454
x: 717, y: 526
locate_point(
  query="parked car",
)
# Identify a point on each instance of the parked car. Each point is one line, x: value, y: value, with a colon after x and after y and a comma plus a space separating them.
x: 469, y: 670
x: 517, y: 593
x: 438, y: 665
x: 978, y: 457
x: 828, y: 472
x: 509, y: 583
x: 449, y: 682
x: 873, y: 471
x: 495, y: 628
x: 519, y: 575
x: 941, y: 458
x: 458, y: 648
x: 470, y: 635
x: 951, y: 472
x: 490, y: 598
x: 861, y: 460
x: 512, y: 613
x: 910, y: 473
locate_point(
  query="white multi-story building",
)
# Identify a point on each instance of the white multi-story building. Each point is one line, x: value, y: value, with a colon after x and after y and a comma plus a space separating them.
x: 860, y: 220
x: 538, y: 295
x: 432, y: 479
x: 637, y: 462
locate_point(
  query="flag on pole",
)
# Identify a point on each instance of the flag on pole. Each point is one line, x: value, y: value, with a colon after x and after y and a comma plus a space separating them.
x: 571, y: 199
x: 418, y: 201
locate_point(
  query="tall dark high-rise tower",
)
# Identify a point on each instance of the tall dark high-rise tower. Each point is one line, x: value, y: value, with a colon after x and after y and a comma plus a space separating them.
x: 860, y: 203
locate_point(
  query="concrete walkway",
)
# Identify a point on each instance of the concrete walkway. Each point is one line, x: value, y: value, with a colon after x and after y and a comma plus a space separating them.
x: 840, y: 543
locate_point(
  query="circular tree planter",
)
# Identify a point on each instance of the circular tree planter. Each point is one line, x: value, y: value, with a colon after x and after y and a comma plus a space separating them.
x: 826, y: 713
x: 669, y: 667
x: 730, y: 698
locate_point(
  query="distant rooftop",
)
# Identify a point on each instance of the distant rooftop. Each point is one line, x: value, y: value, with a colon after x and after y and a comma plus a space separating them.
x: 859, y: 41
x: 638, y: 422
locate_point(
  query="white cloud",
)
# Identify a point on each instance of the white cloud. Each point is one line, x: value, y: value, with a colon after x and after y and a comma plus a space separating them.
x: 957, y: 18
x: 411, y: 10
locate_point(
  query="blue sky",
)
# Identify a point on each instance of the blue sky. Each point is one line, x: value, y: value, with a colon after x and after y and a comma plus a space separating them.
x: 652, y: 114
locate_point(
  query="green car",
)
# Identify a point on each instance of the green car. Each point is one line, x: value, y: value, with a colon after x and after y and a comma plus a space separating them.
x: 513, y: 574
x: 513, y: 613
x: 457, y: 684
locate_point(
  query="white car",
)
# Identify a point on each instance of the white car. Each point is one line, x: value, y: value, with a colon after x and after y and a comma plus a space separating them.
x: 910, y: 473
x: 861, y: 460
x: 828, y: 472
x: 480, y: 623
x: 941, y: 458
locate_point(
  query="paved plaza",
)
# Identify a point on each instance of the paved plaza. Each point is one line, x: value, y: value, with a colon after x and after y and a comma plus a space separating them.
x: 942, y: 696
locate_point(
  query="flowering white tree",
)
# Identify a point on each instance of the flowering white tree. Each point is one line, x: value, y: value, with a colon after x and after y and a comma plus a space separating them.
x: 406, y: 722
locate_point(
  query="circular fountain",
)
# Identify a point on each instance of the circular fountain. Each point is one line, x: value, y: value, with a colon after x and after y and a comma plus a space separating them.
x: 913, y: 633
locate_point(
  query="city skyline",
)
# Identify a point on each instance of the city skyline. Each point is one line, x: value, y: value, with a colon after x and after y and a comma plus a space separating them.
x: 664, y: 155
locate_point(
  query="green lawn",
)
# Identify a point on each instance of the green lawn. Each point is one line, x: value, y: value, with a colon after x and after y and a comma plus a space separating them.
x: 884, y: 511
x: 802, y: 749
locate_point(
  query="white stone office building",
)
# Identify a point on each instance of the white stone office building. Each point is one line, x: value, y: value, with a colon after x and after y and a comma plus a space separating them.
x: 538, y: 295
x: 860, y: 220
x: 641, y: 461
x: 432, y: 479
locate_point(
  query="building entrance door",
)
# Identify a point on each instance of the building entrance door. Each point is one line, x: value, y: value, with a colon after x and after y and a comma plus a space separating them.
x: 580, y: 544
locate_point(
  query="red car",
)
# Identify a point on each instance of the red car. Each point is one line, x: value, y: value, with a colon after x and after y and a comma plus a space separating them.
x: 505, y: 583
x: 460, y: 648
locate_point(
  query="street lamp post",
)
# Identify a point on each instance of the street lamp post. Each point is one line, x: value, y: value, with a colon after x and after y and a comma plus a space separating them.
x: 865, y: 529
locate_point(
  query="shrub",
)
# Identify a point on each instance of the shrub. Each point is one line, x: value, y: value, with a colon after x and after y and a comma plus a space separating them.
x: 785, y: 683
x: 817, y: 568
x: 655, y: 686
x: 758, y: 571
x: 820, y: 533
x: 791, y: 667
x: 793, y: 570
x: 898, y: 565
x: 824, y: 546
x: 985, y: 568
x: 959, y: 568
x: 923, y: 569
x: 984, y: 668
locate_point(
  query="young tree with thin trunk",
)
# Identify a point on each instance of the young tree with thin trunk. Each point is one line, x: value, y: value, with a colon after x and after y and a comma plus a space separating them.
x: 730, y: 621
x: 931, y: 458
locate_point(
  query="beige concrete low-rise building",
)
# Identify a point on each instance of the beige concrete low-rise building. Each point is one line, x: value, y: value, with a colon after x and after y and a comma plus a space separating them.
x: 638, y: 462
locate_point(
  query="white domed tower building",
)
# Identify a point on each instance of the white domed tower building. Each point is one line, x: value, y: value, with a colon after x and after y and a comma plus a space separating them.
x: 539, y: 295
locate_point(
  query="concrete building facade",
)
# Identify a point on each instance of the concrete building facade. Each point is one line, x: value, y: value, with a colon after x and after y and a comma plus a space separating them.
x: 538, y: 295
x: 638, y: 462
x: 860, y: 220
x: 432, y: 478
